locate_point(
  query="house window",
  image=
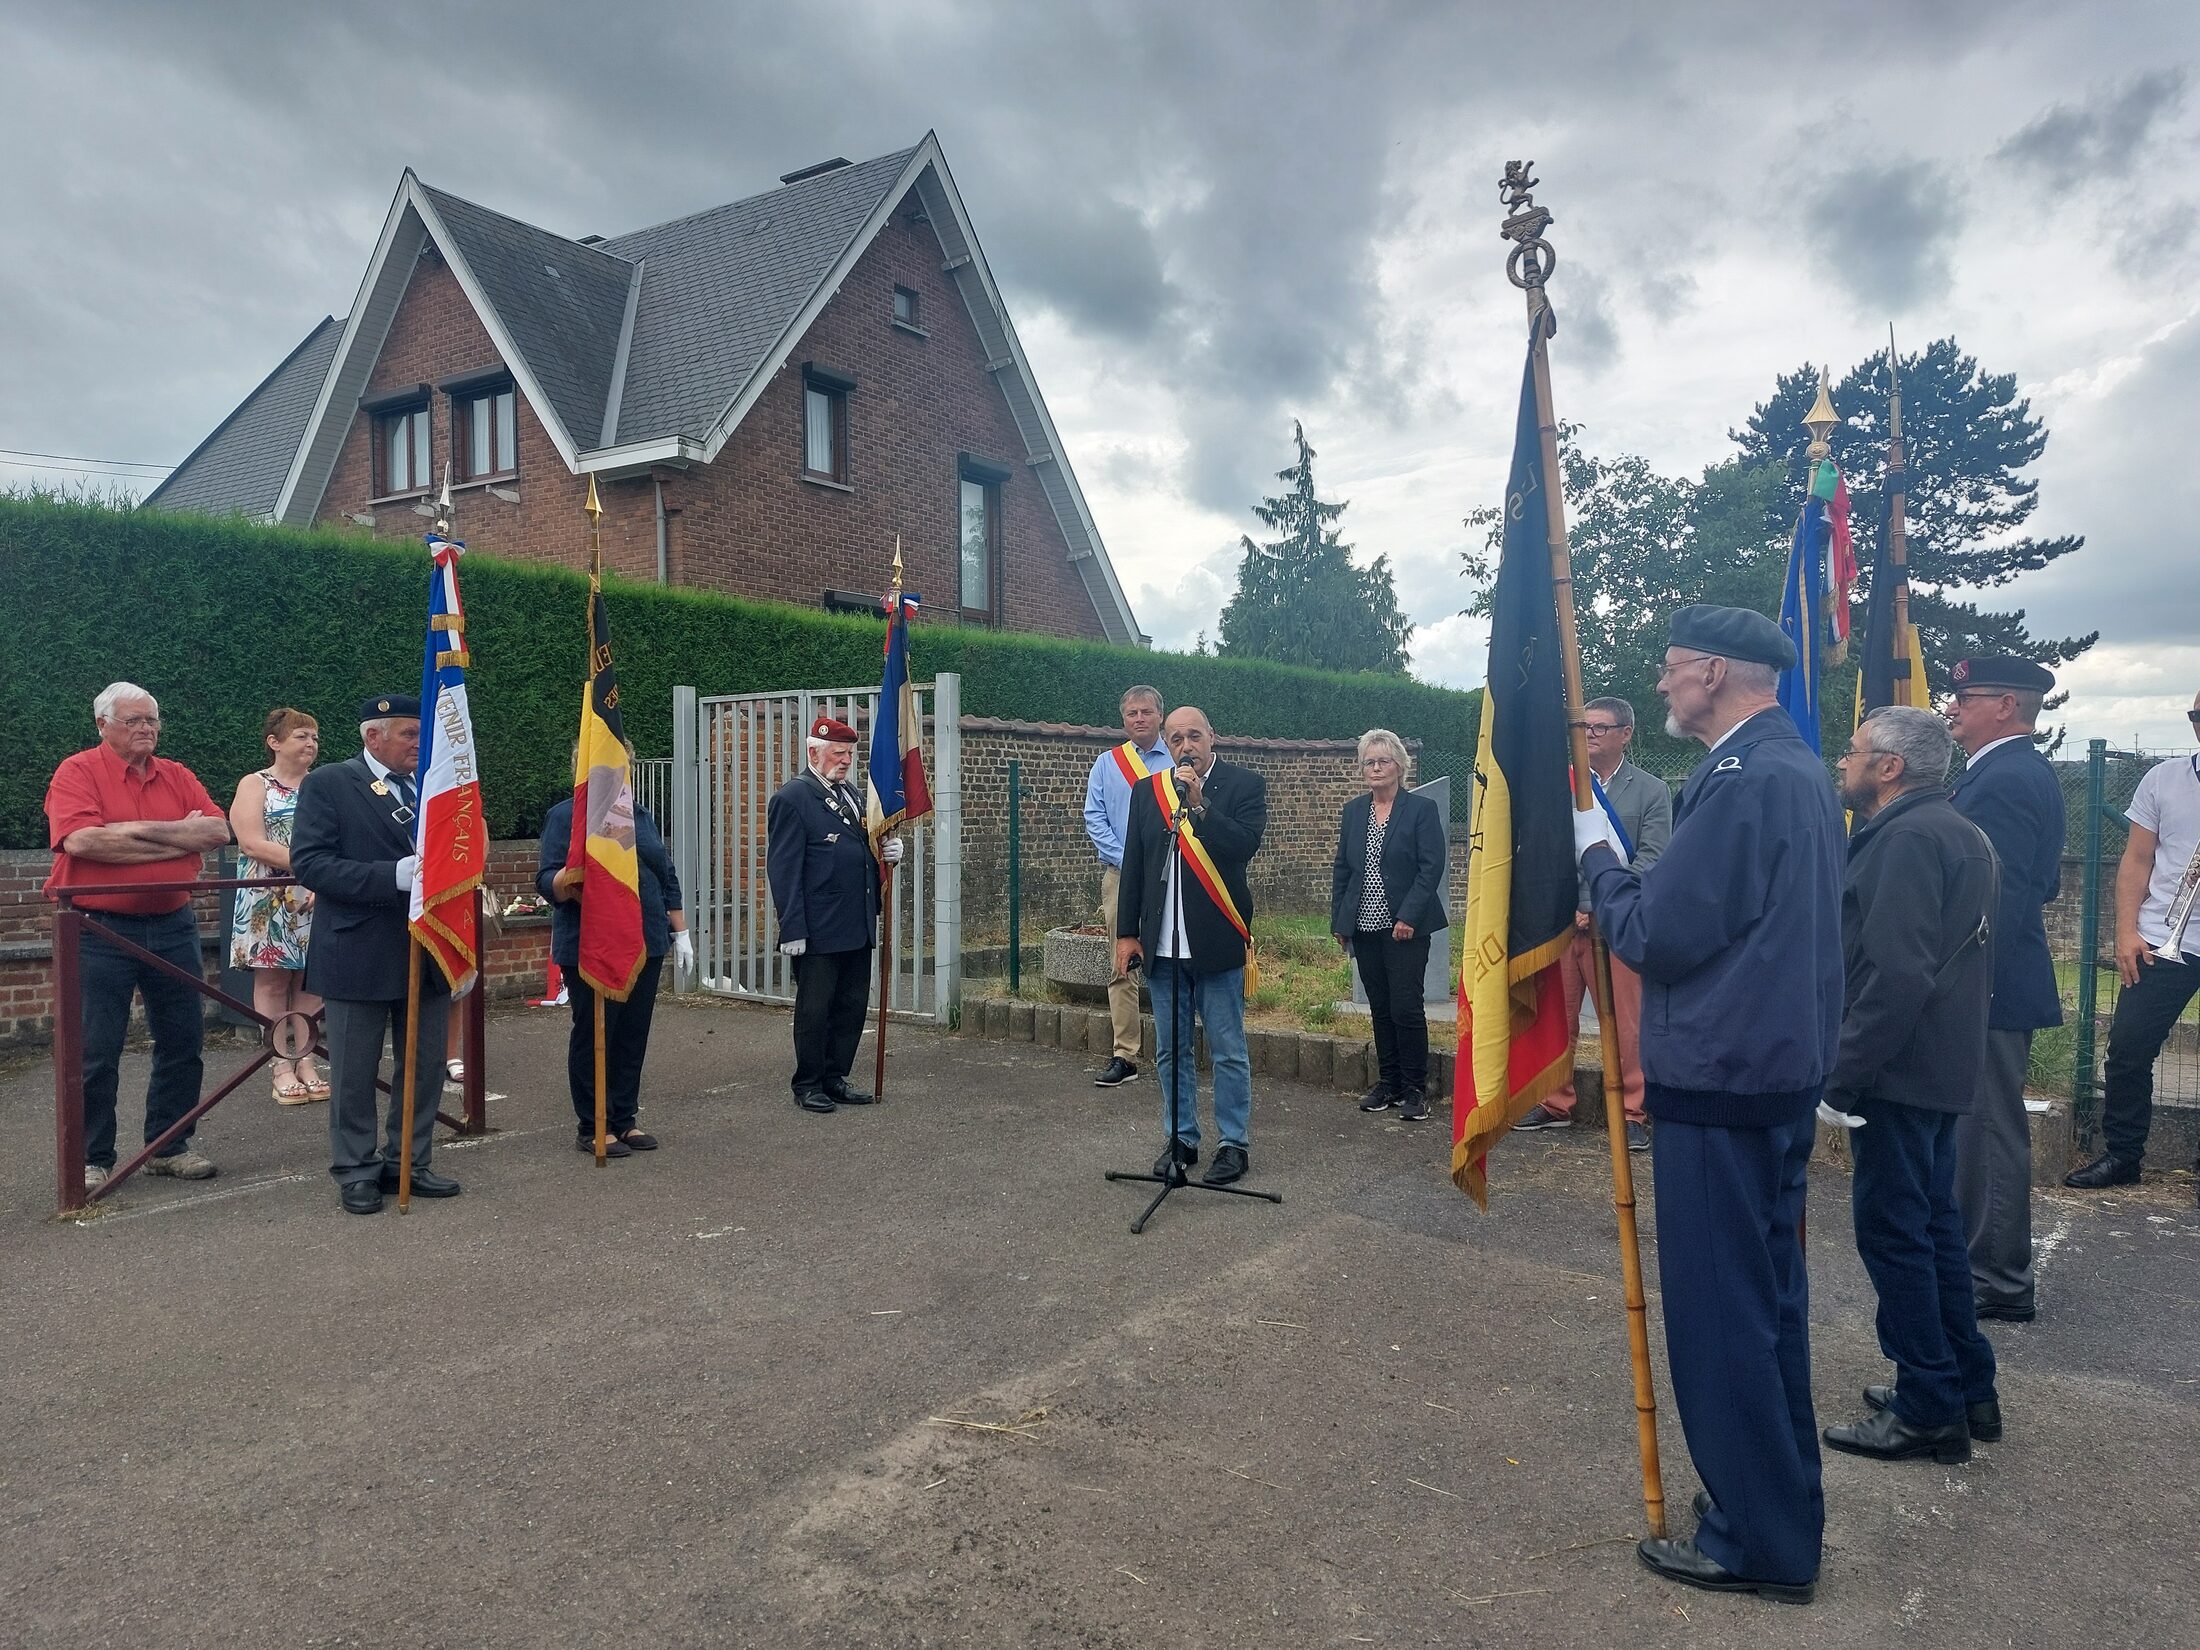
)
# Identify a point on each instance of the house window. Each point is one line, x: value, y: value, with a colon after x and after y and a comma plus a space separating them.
x: 980, y: 534
x: 825, y: 424
x: 488, y: 434
x: 401, y: 443
x: 905, y: 306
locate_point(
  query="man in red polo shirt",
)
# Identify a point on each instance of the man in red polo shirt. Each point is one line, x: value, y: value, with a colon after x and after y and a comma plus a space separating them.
x: 119, y: 814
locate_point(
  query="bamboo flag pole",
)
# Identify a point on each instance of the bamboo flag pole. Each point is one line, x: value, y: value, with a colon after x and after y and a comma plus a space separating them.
x: 594, y: 506
x: 885, y: 883
x: 1528, y: 267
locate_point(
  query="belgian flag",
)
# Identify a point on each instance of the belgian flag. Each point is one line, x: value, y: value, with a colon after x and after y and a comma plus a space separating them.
x: 611, y: 948
x: 1514, y: 1044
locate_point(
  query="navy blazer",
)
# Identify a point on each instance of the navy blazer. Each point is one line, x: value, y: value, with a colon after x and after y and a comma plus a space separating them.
x: 1412, y: 867
x: 660, y: 885
x: 1736, y: 932
x: 2011, y: 794
x: 1237, y: 819
x: 823, y: 878
x: 344, y: 845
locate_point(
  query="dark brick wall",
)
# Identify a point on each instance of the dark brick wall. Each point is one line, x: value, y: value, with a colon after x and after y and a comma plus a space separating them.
x: 748, y: 524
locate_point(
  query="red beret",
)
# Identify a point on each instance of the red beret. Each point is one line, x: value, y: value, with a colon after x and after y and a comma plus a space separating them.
x: 832, y: 732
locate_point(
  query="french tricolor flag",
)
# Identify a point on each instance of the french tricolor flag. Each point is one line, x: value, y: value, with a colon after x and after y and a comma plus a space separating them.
x: 448, y: 834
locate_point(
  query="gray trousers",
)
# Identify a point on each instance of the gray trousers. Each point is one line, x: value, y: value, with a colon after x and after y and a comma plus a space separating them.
x: 1994, y: 1175
x: 357, y: 1148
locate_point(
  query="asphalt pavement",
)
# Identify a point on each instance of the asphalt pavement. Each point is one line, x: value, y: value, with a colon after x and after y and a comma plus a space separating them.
x: 901, y: 1377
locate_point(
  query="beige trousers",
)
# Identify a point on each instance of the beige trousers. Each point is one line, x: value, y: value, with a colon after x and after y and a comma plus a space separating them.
x: 1122, y: 988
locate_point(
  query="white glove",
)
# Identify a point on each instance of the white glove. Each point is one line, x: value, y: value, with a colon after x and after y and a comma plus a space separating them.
x: 1593, y: 825
x: 892, y: 849
x: 794, y: 948
x: 1838, y: 1119
x: 406, y: 868
x: 683, y: 952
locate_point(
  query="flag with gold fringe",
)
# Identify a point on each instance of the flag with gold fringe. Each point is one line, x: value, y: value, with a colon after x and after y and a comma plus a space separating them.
x: 449, y: 836
x: 611, y: 946
x: 1514, y: 1044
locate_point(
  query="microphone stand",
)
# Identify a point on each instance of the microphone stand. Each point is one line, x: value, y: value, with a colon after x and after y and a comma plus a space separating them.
x: 1176, y: 1179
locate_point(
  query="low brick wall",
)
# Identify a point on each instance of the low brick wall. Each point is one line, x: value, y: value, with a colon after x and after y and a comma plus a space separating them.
x: 514, y: 966
x: 1309, y: 782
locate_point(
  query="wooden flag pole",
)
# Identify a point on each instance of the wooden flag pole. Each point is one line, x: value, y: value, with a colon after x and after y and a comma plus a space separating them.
x: 602, y: 1127
x: 885, y: 950
x: 411, y: 1073
x: 1528, y: 267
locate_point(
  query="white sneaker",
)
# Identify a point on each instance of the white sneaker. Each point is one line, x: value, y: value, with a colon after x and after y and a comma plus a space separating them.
x: 94, y: 1177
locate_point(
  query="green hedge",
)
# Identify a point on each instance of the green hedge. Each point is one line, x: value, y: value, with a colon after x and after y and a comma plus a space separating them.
x: 223, y: 620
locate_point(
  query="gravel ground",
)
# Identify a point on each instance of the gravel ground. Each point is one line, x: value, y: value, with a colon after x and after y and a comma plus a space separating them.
x: 901, y: 1377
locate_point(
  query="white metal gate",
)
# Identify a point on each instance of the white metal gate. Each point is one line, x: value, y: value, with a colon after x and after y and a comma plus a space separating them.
x: 730, y: 753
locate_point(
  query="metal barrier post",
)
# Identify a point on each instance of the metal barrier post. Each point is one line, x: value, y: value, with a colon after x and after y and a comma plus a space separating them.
x: 1015, y: 878
x: 687, y: 835
x: 947, y: 848
x: 2084, y: 1089
x: 68, y: 1059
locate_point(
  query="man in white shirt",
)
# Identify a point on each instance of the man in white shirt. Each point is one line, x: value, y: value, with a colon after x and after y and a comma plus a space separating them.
x: 2160, y: 968
x: 1115, y: 773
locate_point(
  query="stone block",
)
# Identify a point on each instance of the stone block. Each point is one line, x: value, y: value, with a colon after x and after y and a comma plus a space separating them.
x: 1019, y: 1022
x: 996, y: 1017
x: 1440, y: 1072
x: 1145, y: 1038
x: 1046, y: 1025
x: 1317, y: 1060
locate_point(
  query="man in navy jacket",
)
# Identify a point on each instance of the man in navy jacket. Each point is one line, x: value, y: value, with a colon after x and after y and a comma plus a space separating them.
x: 1736, y: 932
x: 825, y: 887
x: 2008, y: 791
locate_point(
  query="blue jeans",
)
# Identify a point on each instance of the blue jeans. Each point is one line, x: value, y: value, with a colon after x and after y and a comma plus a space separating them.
x: 175, y: 1014
x: 1218, y: 1001
x: 1912, y: 1243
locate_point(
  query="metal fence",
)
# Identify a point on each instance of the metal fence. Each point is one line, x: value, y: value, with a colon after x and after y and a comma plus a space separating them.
x: 652, y: 780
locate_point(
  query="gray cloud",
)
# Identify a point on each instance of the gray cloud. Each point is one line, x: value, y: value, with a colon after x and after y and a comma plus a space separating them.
x: 2071, y: 144
x: 1885, y: 233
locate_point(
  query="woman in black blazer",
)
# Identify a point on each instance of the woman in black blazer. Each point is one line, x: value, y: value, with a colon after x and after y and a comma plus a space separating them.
x: 1385, y: 901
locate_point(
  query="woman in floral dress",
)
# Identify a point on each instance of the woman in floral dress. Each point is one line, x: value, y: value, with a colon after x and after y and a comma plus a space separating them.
x: 268, y: 933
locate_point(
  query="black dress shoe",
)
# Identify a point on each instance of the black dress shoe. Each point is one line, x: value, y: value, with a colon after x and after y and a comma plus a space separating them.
x: 613, y: 1146
x: 639, y: 1140
x: 2106, y: 1170
x: 845, y: 1096
x: 425, y: 1183
x: 1229, y: 1164
x: 815, y: 1101
x: 1680, y: 1561
x: 1984, y: 1419
x: 1117, y: 1072
x: 1885, y: 1436
x: 1171, y: 1164
x: 2004, y: 1312
x: 362, y: 1197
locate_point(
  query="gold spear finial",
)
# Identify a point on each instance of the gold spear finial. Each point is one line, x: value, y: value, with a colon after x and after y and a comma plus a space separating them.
x: 594, y: 506
x: 1821, y: 421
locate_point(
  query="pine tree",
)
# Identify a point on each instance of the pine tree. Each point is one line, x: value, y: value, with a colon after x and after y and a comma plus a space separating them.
x: 1967, y: 436
x: 1300, y: 599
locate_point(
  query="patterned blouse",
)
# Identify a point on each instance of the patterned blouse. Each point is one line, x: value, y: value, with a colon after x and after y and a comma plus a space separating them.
x: 1375, y: 914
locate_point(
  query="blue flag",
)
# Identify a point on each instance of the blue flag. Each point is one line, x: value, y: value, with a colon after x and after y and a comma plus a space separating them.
x: 1802, y: 616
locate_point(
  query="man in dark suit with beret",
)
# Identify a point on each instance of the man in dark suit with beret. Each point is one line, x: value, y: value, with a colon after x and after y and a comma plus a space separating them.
x: 2007, y: 790
x: 825, y: 888
x: 1736, y: 932
x: 352, y: 844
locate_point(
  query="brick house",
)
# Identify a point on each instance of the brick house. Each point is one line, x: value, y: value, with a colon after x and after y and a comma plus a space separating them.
x: 767, y: 393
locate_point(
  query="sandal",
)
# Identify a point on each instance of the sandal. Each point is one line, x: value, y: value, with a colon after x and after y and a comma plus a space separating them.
x: 317, y: 1086
x: 639, y: 1140
x: 288, y: 1090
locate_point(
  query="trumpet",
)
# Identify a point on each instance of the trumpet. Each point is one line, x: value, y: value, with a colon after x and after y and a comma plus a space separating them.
x: 2180, y: 912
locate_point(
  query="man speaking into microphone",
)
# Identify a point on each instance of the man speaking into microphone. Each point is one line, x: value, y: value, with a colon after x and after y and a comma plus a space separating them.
x: 1184, y: 914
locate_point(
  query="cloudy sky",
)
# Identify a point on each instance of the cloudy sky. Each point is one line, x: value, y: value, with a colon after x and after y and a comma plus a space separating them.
x: 1210, y: 220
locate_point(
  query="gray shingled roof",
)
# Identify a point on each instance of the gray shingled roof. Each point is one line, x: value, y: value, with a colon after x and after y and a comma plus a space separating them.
x: 720, y: 287
x: 241, y: 466
x: 563, y: 304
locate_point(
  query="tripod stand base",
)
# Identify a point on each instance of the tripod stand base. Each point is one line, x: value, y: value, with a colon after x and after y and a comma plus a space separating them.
x: 1180, y: 1181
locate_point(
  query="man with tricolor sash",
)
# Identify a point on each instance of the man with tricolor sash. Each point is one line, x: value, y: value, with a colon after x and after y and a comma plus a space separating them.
x: 1117, y: 773
x: 1185, y: 915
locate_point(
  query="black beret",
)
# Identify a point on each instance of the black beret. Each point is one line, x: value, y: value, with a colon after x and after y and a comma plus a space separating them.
x: 1733, y: 633
x: 2020, y: 674
x: 390, y: 704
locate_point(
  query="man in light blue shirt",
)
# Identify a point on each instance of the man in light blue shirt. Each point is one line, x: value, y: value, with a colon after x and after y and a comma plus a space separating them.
x: 1107, y: 817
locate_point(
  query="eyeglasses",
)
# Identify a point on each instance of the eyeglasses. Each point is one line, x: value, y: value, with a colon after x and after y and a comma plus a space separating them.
x: 139, y: 721
x: 1597, y: 730
x: 1670, y: 666
x: 1380, y: 762
x: 2193, y: 716
x: 1970, y: 694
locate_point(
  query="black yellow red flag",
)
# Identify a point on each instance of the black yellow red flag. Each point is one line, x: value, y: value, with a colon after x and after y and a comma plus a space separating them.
x: 1514, y: 1044
x: 611, y: 947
